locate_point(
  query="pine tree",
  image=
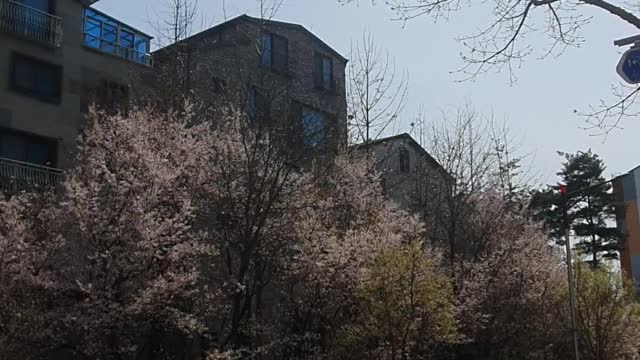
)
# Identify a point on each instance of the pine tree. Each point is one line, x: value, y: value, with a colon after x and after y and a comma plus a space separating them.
x: 591, y: 212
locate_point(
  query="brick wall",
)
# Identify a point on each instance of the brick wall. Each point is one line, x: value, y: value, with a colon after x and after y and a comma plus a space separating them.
x: 230, y: 54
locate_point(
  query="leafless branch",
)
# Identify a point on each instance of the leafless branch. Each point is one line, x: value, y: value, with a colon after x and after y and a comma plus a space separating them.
x: 269, y: 8
x: 501, y: 44
x: 377, y: 93
x: 607, y: 116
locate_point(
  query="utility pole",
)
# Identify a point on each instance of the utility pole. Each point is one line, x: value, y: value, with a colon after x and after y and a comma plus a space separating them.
x: 567, y: 244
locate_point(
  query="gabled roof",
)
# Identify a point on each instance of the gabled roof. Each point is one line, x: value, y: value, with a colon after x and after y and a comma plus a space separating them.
x: 247, y: 18
x: 404, y: 136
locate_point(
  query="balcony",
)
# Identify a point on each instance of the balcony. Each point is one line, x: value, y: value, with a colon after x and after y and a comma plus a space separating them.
x: 118, y: 50
x: 108, y: 35
x: 16, y: 176
x: 30, y: 23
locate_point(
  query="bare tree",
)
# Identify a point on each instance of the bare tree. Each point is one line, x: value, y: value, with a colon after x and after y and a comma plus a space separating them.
x: 505, y: 41
x: 376, y: 92
x: 176, y: 22
x: 476, y: 157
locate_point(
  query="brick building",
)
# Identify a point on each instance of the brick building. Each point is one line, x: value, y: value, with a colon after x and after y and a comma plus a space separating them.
x: 281, y: 74
x: 410, y: 175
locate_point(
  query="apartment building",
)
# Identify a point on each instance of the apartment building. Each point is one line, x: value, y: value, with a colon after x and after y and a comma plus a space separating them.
x: 57, y: 57
x: 282, y: 75
x: 626, y: 190
x: 60, y: 56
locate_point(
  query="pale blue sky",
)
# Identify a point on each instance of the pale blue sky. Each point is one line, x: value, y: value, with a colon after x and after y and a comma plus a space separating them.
x: 538, y: 108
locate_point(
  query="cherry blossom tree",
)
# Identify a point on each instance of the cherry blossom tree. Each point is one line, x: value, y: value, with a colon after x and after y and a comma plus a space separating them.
x: 28, y: 282
x: 508, y: 291
x: 190, y: 234
x: 125, y: 272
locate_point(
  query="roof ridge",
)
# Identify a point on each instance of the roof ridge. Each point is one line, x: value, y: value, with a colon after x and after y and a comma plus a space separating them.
x: 259, y: 20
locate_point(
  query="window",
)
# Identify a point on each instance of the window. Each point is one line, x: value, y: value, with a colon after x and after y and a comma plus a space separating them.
x: 256, y: 105
x: 36, y: 78
x: 112, y: 96
x: 251, y: 103
x: 274, y: 51
x: 27, y: 148
x: 405, y: 162
x: 106, y: 34
x: 323, y: 72
x: 266, y: 46
x: 313, y: 123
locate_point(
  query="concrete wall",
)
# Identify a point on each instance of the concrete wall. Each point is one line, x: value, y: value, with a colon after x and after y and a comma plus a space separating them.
x: 83, y: 70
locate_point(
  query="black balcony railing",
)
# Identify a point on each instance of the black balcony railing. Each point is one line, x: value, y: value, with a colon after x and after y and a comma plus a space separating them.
x: 30, y: 23
x: 16, y: 176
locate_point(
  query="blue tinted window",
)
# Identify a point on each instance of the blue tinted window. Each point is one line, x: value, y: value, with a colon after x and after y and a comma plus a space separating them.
x: 105, y: 33
x: 109, y: 37
x: 127, y: 38
x: 266, y: 48
x: 312, y: 127
x: 92, y: 33
x: 142, y: 47
x: 127, y: 44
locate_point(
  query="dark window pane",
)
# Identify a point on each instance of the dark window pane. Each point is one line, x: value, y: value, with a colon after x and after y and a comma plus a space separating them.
x: 326, y: 73
x: 405, y: 162
x: 25, y: 78
x: 12, y: 147
x: 38, y: 153
x: 36, y: 78
x: 312, y: 128
x: 28, y: 148
x: 112, y: 97
x: 317, y: 70
x: 322, y: 71
x: 45, y: 81
x: 280, y: 49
